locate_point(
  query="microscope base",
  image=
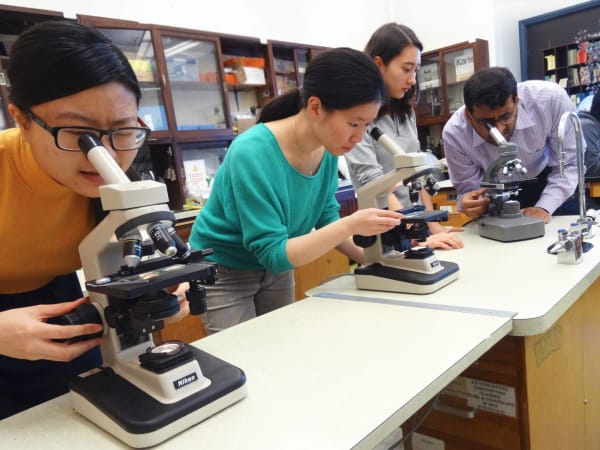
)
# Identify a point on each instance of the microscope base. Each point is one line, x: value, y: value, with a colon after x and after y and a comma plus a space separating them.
x: 139, y: 420
x: 511, y: 229
x: 378, y: 277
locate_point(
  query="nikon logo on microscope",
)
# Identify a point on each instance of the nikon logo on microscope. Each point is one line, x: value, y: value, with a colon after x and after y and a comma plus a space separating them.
x: 184, y: 381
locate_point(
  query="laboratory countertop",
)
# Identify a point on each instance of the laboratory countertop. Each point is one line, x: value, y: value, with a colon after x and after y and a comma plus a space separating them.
x: 186, y: 214
x: 516, y: 277
x: 344, y: 368
x: 321, y: 374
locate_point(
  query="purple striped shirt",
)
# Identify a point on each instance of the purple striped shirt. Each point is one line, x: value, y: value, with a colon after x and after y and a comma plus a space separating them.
x: 541, y: 105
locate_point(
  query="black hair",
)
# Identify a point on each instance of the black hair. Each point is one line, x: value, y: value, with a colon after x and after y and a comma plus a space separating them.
x: 387, y: 42
x: 340, y: 77
x: 595, y: 108
x: 58, y: 58
x: 491, y: 86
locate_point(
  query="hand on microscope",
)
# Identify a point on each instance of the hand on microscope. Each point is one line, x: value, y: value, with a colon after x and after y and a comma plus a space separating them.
x: 372, y: 221
x: 445, y: 240
x: 24, y: 333
x: 475, y: 203
x: 540, y: 213
x: 184, y: 306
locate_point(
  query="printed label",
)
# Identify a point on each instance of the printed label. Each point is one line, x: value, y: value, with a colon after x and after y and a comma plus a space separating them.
x: 484, y: 395
x: 184, y: 381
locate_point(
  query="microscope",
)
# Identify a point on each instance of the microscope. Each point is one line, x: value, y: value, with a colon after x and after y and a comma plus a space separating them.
x: 144, y: 393
x: 391, y: 262
x: 504, y: 220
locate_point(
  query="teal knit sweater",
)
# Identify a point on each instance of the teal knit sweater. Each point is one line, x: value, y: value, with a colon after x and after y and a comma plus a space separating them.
x: 258, y: 201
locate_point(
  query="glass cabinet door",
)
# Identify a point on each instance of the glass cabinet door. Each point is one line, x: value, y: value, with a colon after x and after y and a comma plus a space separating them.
x: 459, y: 66
x: 5, y: 119
x: 195, y: 84
x: 137, y: 46
x: 301, y: 63
x: 285, y: 69
x: 430, y: 87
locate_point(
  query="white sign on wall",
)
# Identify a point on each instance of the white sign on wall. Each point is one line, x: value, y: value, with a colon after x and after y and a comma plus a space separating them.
x: 464, y: 67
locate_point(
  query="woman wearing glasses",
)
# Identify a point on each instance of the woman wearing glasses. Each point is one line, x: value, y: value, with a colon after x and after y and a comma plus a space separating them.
x: 525, y: 113
x: 66, y: 79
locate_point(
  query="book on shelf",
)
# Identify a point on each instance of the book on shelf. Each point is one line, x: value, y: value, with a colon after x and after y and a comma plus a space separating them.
x: 584, y: 76
x: 572, y: 57
x: 574, y: 77
x: 550, y: 62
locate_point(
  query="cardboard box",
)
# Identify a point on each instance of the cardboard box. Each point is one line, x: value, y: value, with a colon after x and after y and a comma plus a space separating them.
x: 247, y: 70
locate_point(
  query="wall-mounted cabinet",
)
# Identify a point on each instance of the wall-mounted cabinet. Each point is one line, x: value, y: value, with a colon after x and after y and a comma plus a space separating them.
x: 442, y: 77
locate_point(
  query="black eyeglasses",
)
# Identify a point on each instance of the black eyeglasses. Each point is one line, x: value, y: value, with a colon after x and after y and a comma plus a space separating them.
x: 504, y: 119
x: 121, y: 139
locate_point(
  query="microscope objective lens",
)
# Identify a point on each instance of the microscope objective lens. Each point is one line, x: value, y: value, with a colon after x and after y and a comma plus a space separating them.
x: 162, y: 239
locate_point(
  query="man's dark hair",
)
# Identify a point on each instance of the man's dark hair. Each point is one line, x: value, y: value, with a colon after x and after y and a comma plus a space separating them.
x: 490, y: 87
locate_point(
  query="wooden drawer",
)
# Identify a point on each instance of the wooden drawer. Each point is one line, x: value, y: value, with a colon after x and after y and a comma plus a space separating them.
x: 483, y: 408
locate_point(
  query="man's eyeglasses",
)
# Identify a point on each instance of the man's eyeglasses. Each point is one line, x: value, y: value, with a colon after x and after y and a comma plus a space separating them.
x: 504, y: 119
x: 121, y: 139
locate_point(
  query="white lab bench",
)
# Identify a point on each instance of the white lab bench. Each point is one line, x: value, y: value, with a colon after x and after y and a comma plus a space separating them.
x: 344, y: 368
x: 550, y: 361
x: 518, y: 277
x: 321, y: 374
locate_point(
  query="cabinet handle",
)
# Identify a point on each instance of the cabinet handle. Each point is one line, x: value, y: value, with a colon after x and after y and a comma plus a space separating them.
x: 468, y: 413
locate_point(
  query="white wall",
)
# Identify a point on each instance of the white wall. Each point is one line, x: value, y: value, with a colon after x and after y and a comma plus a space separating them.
x: 332, y: 23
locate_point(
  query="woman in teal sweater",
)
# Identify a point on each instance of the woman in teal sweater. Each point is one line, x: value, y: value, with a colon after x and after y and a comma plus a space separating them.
x: 272, y: 205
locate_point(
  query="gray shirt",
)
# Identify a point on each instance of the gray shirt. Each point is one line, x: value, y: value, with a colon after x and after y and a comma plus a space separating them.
x: 369, y: 160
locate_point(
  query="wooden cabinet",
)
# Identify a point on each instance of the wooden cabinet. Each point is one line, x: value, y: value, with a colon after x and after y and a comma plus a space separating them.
x: 288, y: 63
x: 200, y: 89
x: 528, y: 393
x: 442, y: 76
x: 575, y: 66
x: 314, y: 273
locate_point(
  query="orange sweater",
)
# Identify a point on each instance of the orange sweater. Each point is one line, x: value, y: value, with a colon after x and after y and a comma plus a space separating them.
x: 41, y: 222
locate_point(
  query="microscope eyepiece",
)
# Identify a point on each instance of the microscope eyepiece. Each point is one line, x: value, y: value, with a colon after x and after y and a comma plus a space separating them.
x: 375, y: 133
x: 495, y: 133
x: 87, y: 142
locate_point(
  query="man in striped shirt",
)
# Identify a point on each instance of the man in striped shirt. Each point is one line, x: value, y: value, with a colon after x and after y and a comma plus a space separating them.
x: 526, y: 114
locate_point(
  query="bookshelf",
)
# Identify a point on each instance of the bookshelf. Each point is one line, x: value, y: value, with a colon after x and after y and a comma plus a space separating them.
x: 575, y: 66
